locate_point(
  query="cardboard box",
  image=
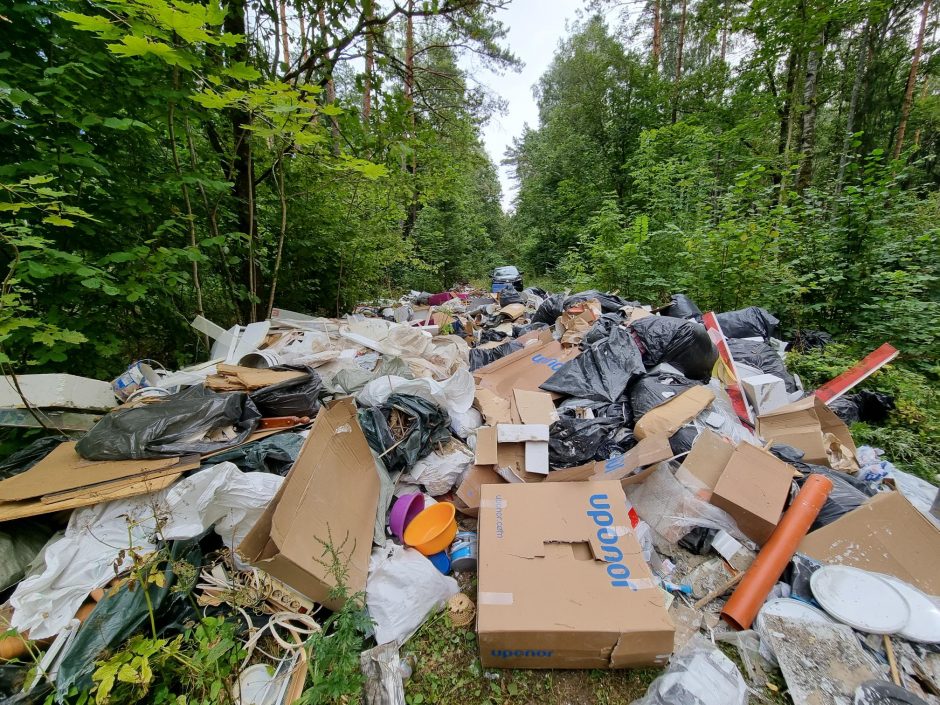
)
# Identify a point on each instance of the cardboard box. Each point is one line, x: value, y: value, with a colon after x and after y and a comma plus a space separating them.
x: 885, y: 535
x: 562, y: 582
x: 330, y: 495
x: 804, y: 425
x: 525, y: 369
x: 753, y: 489
x: 765, y: 392
x: 703, y: 466
x: 666, y: 419
x: 472, y: 485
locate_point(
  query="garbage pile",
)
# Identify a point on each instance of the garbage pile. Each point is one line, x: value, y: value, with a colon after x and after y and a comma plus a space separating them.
x: 628, y: 486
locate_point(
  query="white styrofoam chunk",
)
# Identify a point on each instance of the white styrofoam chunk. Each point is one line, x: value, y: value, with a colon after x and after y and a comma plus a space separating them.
x: 521, y: 432
x: 536, y: 457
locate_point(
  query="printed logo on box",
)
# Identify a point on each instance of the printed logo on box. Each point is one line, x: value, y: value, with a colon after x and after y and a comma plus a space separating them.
x: 603, y: 519
x: 516, y: 653
x: 551, y: 362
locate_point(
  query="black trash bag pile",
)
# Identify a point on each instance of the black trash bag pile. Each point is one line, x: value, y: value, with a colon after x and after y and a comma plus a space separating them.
x: 602, y: 328
x: 866, y: 405
x: 550, y: 310
x: 295, y: 397
x: 757, y: 353
x: 527, y: 328
x: 508, y: 295
x: 609, y: 303
x: 275, y: 454
x: 480, y: 357
x: 426, y: 425
x: 682, y: 307
x: 488, y: 335
x: 162, y: 429
x: 683, y: 344
x: 576, y: 441
x: 751, y: 322
x: 602, y: 372
x: 25, y: 458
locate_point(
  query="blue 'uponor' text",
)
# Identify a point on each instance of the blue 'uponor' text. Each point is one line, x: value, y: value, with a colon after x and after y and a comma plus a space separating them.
x: 516, y: 653
x: 604, y: 520
x: 554, y: 364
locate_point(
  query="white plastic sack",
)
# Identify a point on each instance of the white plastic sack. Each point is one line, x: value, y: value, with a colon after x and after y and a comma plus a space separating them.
x: 408, y: 341
x: 439, y: 471
x: 699, y: 674
x: 466, y: 423
x: 83, y: 558
x: 402, y: 589
x: 454, y: 394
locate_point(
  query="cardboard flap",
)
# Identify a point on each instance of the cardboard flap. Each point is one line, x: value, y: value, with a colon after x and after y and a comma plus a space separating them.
x: 525, y: 369
x: 535, y: 407
x: 485, y: 453
x: 648, y: 451
x: 666, y: 419
x: 706, y: 461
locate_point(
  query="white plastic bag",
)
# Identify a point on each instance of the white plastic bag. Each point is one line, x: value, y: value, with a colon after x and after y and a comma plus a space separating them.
x: 699, y: 674
x: 440, y: 471
x: 454, y: 394
x: 82, y: 560
x: 465, y: 424
x: 402, y: 589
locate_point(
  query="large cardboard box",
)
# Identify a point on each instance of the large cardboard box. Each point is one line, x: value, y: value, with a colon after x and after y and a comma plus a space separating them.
x: 885, y: 535
x: 525, y: 369
x: 330, y: 497
x: 804, y: 425
x: 562, y: 582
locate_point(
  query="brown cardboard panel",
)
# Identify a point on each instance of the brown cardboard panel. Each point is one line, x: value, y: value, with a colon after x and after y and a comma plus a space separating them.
x: 495, y: 409
x: 187, y: 463
x: 329, y: 496
x: 486, y: 446
x: 753, y: 489
x: 471, y: 486
x: 649, y: 450
x: 665, y: 419
x: 885, y: 535
x: 803, y: 424
x: 525, y: 369
x: 562, y: 582
x: 708, y: 458
x: 64, y: 469
x: 535, y: 407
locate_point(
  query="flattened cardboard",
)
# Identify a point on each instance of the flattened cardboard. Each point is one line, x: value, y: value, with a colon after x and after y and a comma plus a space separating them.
x: 562, y: 582
x: 64, y: 469
x: 707, y: 460
x: 804, y: 424
x: 535, y: 407
x: 525, y: 369
x: 885, y: 535
x: 753, y: 489
x: 330, y: 495
x: 666, y: 419
x: 469, y: 490
x: 495, y: 409
x: 485, y: 453
x: 648, y: 451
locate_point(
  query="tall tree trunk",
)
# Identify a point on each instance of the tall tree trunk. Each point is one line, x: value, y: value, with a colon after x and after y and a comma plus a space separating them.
x: 303, y: 32
x: 725, y: 21
x: 657, y: 34
x: 810, y: 91
x: 681, y: 47
x: 911, y: 81
x: 330, y: 86
x: 860, y: 68
x: 242, y: 174
x: 284, y: 36
x: 923, y: 94
x: 370, y: 64
x: 412, y: 122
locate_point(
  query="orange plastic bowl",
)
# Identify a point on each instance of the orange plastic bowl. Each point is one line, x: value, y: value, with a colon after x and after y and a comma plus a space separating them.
x: 433, y: 530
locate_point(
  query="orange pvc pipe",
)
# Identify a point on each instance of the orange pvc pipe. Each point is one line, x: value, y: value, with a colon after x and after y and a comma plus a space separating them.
x: 763, y: 574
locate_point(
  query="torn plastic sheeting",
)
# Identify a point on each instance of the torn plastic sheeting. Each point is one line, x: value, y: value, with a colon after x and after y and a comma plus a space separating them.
x: 119, y: 616
x: 402, y: 590
x: 20, y: 543
x: 426, y: 424
x: 382, y: 668
x: 683, y: 344
x: 576, y: 441
x: 751, y: 322
x: 843, y: 498
x: 388, y: 481
x: 295, y: 397
x: 602, y: 372
x: 25, y: 458
x: 165, y: 428
x: 673, y: 510
x: 757, y: 353
x: 480, y: 357
x: 440, y: 469
x: 275, y: 454
x: 682, y: 307
x: 83, y: 559
x: 454, y: 394
x: 699, y: 674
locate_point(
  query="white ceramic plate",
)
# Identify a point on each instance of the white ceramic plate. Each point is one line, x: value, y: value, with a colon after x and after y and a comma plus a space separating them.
x: 924, y: 624
x: 860, y: 599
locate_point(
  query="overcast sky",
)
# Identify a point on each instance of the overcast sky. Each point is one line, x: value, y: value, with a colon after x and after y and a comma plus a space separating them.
x: 535, y: 28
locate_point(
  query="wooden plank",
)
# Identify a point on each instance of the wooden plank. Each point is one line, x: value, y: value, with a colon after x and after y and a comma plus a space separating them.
x: 734, y: 389
x: 862, y: 370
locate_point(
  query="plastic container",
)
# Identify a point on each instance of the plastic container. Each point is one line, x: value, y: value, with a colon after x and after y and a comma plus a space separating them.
x: 405, y: 509
x: 433, y: 529
x: 441, y: 561
x: 463, y: 551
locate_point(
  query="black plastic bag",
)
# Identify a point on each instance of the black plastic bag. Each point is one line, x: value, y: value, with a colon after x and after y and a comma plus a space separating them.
x: 295, y: 397
x: 550, y: 310
x: 26, y: 457
x: 619, y: 409
x: 683, y: 439
x: 535, y: 290
x: 488, y: 335
x: 480, y: 357
x: 161, y: 429
x: 573, y: 441
x: 651, y: 390
x: 682, y: 307
x: 602, y: 328
x: 683, y: 344
x: 609, y: 303
x: 527, y: 328
x: 846, y: 408
x: 798, y: 573
x: 843, y: 498
x: 874, y: 407
x: 757, y: 353
x: 275, y: 454
x: 427, y: 425
x: 602, y: 372
x: 751, y: 322
x: 698, y: 540
x: 804, y: 340
x: 509, y: 295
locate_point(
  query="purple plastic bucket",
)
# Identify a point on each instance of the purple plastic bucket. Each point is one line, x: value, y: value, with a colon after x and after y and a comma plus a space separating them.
x: 405, y: 508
